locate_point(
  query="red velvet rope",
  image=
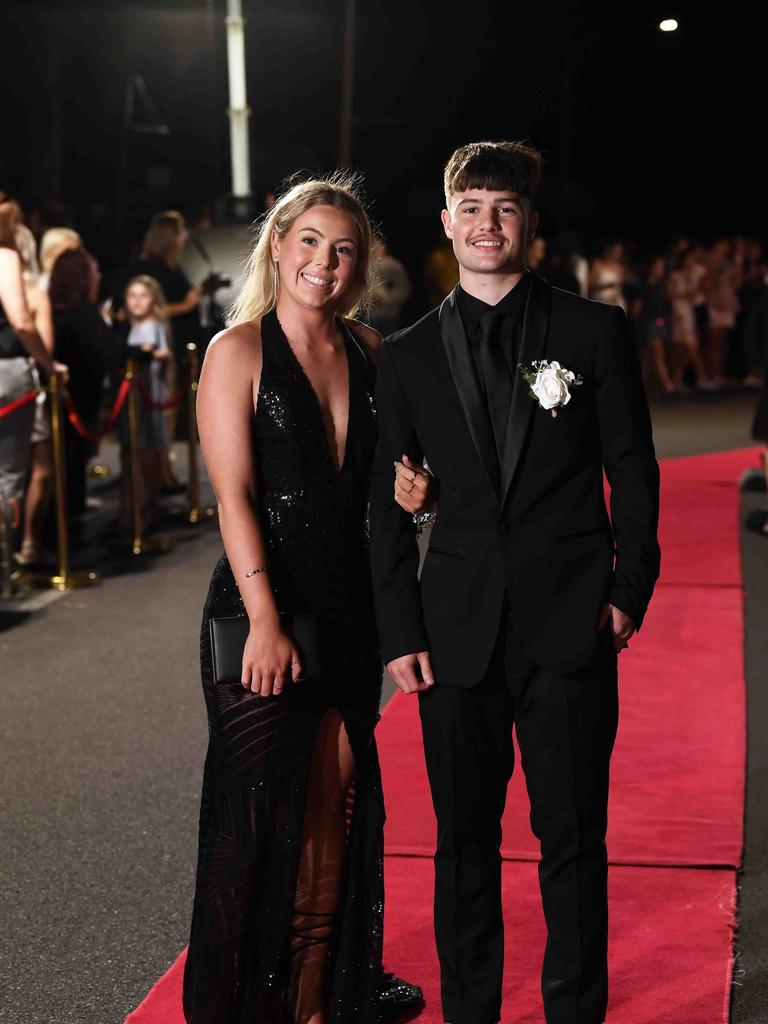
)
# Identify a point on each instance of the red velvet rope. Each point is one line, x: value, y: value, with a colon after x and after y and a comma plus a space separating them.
x: 74, y: 417
x: 17, y: 403
x: 170, y: 403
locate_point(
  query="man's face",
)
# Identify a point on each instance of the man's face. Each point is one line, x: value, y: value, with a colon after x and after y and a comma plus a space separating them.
x: 490, y: 230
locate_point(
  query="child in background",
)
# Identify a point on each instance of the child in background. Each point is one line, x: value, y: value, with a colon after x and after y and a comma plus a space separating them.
x: 145, y: 308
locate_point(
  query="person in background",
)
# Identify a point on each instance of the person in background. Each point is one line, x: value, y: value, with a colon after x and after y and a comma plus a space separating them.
x: 391, y: 288
x: 441, y: 272
x: 89, y: 348
x: 537, y: 255
x: 164, y: 243
x: 19, y: 344
x: 161, y: 253
x: 54, y: 242
x: 606, y: 275
x: 683, y: 286
x: 40, y: 486
x: 145, y: 308
x: 559, y: 267
x: 722, y: 285
x: 652, y: 317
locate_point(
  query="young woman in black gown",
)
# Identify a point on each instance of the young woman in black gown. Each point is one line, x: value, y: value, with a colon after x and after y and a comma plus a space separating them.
x: 287, y: 919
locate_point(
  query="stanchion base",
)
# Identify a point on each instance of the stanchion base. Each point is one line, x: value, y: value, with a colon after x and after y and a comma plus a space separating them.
x: 70, y: 581
x: 150, y: 545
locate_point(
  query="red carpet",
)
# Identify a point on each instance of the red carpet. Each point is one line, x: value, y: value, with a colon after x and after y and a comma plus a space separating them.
x: 669, y: 931
x: 676, y: 797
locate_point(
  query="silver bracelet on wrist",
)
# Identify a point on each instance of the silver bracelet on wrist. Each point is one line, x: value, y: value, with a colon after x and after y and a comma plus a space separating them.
x: 254, y: 571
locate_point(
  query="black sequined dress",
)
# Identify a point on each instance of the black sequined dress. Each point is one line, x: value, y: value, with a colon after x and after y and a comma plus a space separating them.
x: 314, y: 519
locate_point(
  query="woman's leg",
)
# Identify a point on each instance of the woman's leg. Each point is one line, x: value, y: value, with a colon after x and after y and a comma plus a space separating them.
x: 38, y: 493
x: 320, y: 869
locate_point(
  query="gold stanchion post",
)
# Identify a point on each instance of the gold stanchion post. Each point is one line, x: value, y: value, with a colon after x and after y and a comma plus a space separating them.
x: 139, y: 543
x: 195, y: 514
x: 64, y: 579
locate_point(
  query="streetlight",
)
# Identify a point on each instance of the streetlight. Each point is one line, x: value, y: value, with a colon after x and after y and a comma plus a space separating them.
x: 669, y: 25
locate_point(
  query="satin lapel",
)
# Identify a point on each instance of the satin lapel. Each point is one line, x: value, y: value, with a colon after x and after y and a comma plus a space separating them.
x: 468, y: 387
x: 522, y: 406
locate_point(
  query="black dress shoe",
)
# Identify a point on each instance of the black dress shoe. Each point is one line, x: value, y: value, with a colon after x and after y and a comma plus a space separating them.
x: 399, y: 1000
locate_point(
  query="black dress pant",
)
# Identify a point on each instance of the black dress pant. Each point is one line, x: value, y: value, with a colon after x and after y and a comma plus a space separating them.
x: 566, y: 726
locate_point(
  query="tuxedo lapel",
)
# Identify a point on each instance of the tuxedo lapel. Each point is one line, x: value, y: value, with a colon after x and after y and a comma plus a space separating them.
x: 522, y: 406
x: 464, y: 377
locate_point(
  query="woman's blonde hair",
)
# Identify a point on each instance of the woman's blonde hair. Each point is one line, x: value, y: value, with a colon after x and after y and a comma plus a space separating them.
x: 158, y: 308
x: 54, y: 242
x: 262, y: 282
x: 162, y: 234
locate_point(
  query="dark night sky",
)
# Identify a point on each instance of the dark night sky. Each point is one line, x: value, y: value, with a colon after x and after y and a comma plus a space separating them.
x: 666, y: 133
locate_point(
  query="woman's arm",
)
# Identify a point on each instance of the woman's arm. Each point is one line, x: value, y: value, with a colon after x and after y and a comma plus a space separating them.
x: 225, y: 404
x: 14, y: 303
x: 187, y: 304
x: 41, y: 303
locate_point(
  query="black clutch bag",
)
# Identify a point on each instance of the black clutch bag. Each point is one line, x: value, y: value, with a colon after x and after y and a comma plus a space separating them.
x: 228, y: 636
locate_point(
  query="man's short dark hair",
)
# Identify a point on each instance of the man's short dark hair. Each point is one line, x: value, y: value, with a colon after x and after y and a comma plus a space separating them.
x: 497, y: 166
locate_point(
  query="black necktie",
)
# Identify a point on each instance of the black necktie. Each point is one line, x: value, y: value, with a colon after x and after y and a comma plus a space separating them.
x: 496, y: 381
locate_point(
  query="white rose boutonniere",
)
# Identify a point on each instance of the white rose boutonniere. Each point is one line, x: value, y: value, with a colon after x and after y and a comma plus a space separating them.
x: 550, y: 383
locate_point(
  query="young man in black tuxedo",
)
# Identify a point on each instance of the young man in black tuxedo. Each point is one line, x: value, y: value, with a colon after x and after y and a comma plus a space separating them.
x: 528, y: 589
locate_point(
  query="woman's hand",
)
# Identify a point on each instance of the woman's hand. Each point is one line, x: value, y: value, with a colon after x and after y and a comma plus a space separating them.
x: 270, y: 660
x: 62, y: 368
x: 415, y: 487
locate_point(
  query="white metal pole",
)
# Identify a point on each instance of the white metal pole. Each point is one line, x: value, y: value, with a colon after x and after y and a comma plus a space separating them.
x: 238, y: 104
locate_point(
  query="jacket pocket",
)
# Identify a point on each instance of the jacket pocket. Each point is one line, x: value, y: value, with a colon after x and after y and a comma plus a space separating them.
x: 437, y: 550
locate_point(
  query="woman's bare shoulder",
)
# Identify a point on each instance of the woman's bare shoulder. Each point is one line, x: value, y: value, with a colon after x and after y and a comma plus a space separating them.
x: 367, y: 335
x: 236, y: 348
x: 9, y: 257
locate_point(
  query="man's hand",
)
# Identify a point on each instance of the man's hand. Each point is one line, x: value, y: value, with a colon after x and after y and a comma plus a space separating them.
x: 412, y: 672
x: 622, y: 627
x: 415, y: 487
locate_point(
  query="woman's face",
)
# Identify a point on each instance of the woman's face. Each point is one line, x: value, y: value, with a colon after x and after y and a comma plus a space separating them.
x: 317, y: 257
x: 138, y: 301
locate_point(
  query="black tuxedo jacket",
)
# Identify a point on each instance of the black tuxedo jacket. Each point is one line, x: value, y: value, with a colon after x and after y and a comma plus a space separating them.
x: 538, y: 528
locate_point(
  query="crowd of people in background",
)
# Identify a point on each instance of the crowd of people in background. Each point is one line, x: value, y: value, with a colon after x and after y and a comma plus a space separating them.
x: 699, y: 314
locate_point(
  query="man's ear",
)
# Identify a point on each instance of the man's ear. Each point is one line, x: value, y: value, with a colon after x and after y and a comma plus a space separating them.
x: 446, y: 219
x: 533, y: 223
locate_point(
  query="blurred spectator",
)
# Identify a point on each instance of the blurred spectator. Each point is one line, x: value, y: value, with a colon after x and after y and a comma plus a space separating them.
x: 145, y: 308
x: 391, y: 288
x: 89, y: 348
x: 164, y: 243
x: 54, y: 242
x: 558, y: 268
x: 652, y: 320
x: 683, y: 287
x: 606, y: 275
x: 163, y: 246
x: 441, y: 272
x: 537, y: 252
x: 19, y: 340
x: 753, y: 281
x: 40, y: 486
x: 721, y: 285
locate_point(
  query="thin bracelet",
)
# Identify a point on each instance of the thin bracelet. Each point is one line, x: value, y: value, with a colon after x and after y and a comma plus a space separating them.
x: 254, y: 571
